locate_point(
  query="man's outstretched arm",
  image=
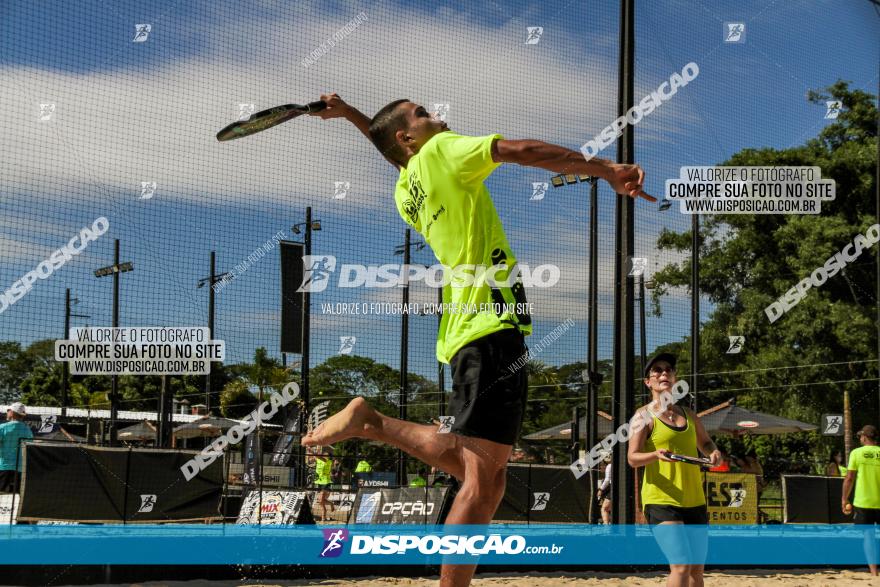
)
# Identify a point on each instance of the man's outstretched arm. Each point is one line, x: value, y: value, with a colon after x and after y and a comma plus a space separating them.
x: 625, y: 179
x: 337, y: 108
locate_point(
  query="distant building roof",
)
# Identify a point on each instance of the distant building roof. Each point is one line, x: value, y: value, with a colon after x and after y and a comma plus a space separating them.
x: 121, y: 415
x: 104, y: 414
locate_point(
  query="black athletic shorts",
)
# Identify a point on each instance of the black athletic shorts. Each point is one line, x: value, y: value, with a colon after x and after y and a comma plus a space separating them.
x: 488, y: 399
x: 670, y: 513
x: 866, y: 516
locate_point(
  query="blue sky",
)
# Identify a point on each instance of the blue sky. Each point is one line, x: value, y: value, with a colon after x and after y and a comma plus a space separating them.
x: 131, y: 112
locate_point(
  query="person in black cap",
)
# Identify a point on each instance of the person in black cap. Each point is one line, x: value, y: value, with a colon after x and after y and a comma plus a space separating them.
x: 864, y: 465
x: 672, y: 491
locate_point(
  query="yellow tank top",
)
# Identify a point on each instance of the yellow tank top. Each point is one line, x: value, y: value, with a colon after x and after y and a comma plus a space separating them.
x: 678, y: 484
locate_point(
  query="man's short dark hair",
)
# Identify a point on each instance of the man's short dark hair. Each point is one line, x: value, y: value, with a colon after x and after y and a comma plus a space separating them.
x: 384, y: 127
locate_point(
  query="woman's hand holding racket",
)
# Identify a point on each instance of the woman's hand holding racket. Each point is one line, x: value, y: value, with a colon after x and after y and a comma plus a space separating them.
x: 671, y: 456
x: 663, y: 455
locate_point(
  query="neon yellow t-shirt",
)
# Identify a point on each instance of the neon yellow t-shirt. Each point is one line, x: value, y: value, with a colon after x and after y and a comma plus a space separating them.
x: 441, y: 194
x: 865, y: 461
x: 323, y: 468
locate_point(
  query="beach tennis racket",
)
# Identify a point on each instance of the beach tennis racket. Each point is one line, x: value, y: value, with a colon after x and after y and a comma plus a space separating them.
x: 702, y: 463
x: 267, y: 119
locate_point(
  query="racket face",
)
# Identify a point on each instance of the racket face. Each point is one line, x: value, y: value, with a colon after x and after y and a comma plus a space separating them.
x: 260, y: 121
x: 686, y: 459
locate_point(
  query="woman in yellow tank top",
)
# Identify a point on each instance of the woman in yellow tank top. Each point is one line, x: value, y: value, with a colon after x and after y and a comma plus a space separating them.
x: 672, y: 491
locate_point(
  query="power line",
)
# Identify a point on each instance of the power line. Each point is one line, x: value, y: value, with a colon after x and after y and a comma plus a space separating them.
x: 779, y: 386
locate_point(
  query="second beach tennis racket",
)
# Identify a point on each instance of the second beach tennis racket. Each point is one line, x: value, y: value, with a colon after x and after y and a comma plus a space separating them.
x: 700, y: 462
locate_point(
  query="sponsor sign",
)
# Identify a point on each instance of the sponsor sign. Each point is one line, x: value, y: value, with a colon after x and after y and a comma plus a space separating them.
x: 367, y: 504
x: 272, y: 476
x: 403, y: 505
x: 731, y: 498
x: 275, y: 508
x: 8, y: 508
x: 377, y: 479
x: 343, y: 500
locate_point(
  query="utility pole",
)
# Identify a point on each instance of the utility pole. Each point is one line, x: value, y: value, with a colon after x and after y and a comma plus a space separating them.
x: 404, y: 355
x: 115, y: 270
x: 309, y: 225
x: 847, y: 425
x: 623, y: 488
x: 591, y: 433
x: 592, y: 379
x: 65, y: 366
x: 643, y: 339
x: 695, y: 308
x: 212, y: 279
x: 404, y: 249
x: 165, y: 414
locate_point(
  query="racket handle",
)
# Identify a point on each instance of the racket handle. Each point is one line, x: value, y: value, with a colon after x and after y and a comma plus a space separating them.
x: 316, y: 106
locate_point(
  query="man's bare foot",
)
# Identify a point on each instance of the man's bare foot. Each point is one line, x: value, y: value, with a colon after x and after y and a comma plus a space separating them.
x: 353, y: 421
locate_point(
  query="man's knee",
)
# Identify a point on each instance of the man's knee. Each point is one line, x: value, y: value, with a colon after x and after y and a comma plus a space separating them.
x: 486, y: 484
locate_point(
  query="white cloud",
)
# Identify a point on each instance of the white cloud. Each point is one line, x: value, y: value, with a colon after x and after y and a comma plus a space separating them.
x: 122, y: 127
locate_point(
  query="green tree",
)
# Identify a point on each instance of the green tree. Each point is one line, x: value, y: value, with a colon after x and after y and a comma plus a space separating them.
x: 266, y: 372
x: 749, y: 261
x: 34, y: 371
x: 237, y: 400
x: 42, y: 387
x: 13, y: 369
x: 343, y: 377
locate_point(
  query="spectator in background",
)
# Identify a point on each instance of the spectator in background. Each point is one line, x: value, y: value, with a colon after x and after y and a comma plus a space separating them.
x: 11, y: 435
x: 336, y: 472
x: 419, y: 480
x: 323, y: 478
x: 751, y: 465
x: 863, y: 471
x: 363, y: 466
x: 723, y: 465
x: 834, y: 467
x: 440, y: 478
x: 604, y: 493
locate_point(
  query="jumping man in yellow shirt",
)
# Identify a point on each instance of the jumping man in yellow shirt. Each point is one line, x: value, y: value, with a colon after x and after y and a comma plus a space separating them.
x: 440, y: 192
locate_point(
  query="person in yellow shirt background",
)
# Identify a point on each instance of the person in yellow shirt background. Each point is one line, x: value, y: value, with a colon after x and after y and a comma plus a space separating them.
x: 419, y: 480
x: 321, y: 459
x: 363, y: 466
x: 863, y: 471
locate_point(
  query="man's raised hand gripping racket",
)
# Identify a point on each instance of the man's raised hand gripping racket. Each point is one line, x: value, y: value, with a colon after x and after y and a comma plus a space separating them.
x: 267, y: 119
